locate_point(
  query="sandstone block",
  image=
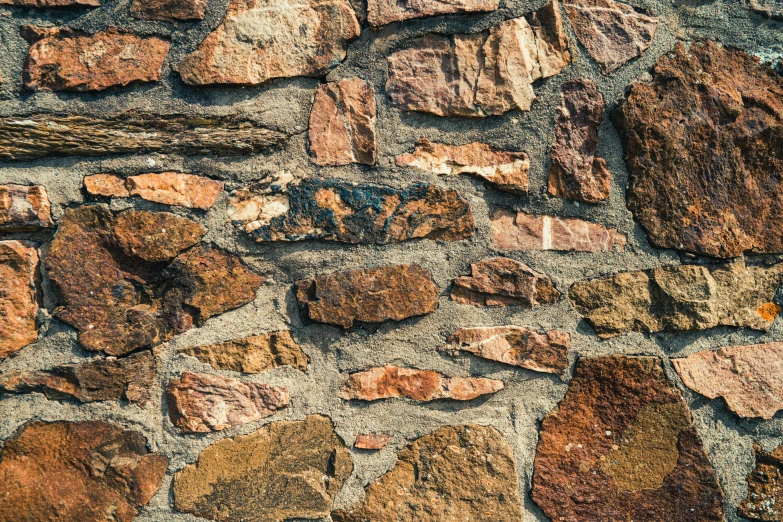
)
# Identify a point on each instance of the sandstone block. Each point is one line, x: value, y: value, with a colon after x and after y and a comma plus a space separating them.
x: 19, y: 295
x: 521, y: 231
x: 382, y: 12
x: 500, y: 281
x: 168, y: 188
x: 255, y: 354
x: 169, y: 10
x: 765, y: 487
x: 372, y: 441
x: 24, y: 208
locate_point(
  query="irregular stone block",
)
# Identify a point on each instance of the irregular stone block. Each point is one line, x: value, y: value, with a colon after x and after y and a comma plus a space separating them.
x: 107, y: 185
x: 772, y: 8
x: 51, y: 3
x: 370, y: 295
x: 264, y: 39
x: 765, y: 487
x: 372, y: 441
x: 156, y: 237
x: 382, y: 12
x: 85, y: 471
x: 255, y: 354
x: 504, y: 170
x: 169, y: 10
x: 168, y: 188
x: 342, y: 123
x: 703, y: 152
x: 679, y: 298
x: 500, y: 281
x: 19, y: 295
x: 256, y: 478
x: 621, y: 446
x: 24, y: 208
x: 520, y: 231
x: 483, y: 74
x: 463, y: 472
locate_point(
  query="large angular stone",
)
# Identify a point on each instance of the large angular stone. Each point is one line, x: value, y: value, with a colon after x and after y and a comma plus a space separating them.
x: 382, y: 12
x: 264, y: 39
x: 765, y: 487
x: 370, y: 295
x: 455, y: 473
x: 521, y: 231
x: 621, y: 446
x: 678, y: 298
x: 24, y: 208
x: 704, y: 146
x: 87, y: 471
x: 255, y: 354
x: 483, y: 74
x: 168, y: 188
x: 51, y: 3
x: 285, y: 470
x: 169, y: 10
x: 19, y: 295
x: 500, y: 281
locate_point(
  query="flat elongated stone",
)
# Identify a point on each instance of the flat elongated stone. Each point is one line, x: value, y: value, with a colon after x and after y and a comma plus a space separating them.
x: 678, y: 298
x: 621, y: 446
x: 505, y: 170
x: 255, y: 354
x: 169, y: 10
x: 704, y: 152
x: 370, y: 295
x: 765, y: 487
x: 256, y: 478
x: 500, y: 281
x: 51, y: 3
x: 541, y: 352
x: 19, y: 295
x: 521, y: 231
x: 382, y: 12
x: 483, y: 74
x: 372, y: 441
x: 410, y: 383
x: 168, y: 188
x: 455, y: 473
x: 24, y: 208
x: 87, y: 471
x: 264, y: 39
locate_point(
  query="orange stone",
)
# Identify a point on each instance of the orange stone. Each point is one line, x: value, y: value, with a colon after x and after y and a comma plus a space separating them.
x: 500, y: 281
x: 372, y: 441
x: 24, y: 208
x: 168, y: 188
x: 19, y: 295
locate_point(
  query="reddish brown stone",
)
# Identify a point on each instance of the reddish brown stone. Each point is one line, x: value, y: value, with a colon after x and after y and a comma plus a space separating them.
x: 64, y: 59
x: 372, y: 441
x: 87, y: 471
x: 155, y: 237
x: 255, y: 354
x: 765, y: 487
x: 500, y: 281
x: 168, y: 188
x: 382, y: 12
x: 51, y: 3
x: 19, y: 295
x: 107, y: 185
x: 621, y: 446
x: 24, y: 208
x: 169, y: 10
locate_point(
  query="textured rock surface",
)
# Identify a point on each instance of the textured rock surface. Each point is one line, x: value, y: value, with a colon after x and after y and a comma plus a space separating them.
x: 483, y: 74
x: 255, y: 354
x: 372, y: 441
x: 86, y: 471
x: 500, y: 281
x: 255, y: 478
x: 773, y: 8
x: 19, y: 295
x: 765, y: 487
x: 169, y: 10
x: 24, y: 208
x: 576, y: 172
x: 621, y: 446
x: 436, y: 478
x: 382, y: 12
x: 51, y: 3
x: 169, y: 188
x: 521, y: 231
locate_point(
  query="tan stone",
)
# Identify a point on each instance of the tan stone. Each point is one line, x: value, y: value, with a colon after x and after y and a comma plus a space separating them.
x: 382, y: 12
x: 372, y: 441
x: 169, y: 10
x: 51, y: 3
x: 24, y: 208
x: 521, y: 231
x: 500, y: 281
x: 19, y: 295
x: 255, y: 354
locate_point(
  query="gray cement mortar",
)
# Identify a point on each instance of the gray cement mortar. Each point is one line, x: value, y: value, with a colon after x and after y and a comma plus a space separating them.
x: 528, y: 396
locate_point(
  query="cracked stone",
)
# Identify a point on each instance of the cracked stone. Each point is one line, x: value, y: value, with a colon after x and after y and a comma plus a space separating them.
x: 255, y: 354
x: 383, y: 12
x: 168, y: 188
x: 765, y: 487
x: 500, y: 281
x: 19, y: 295
x: 372, y: 441
x: 521, y: 231
x: 169, y: 10
x: 24, y: 208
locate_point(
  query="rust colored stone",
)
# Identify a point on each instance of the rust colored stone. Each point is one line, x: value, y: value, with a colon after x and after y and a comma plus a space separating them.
x: 19, y: 295
x: 765, y: 487
x: 24, y: 208
x: 383, y: 12
x: 372, y: 441
x: 169, y: 10
x: 621, y: 446
x: 155, y: 236
x: 107, y: 185
x: 87, y: 471
x: 500, y: 281
x: 168, y: 188
x: 51, y: 3
x: 255, y: 354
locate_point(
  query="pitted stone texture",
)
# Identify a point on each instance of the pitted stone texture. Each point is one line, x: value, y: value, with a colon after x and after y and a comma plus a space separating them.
x: 19, y: 295
x: 500, y: 281
x: 264, y: 39
x: 765, y: 487
x: 541, y: 352
x: 51, y: 3
x: 390, y: 382
x: 704, y: 146
x: 156, y: 237
x: 679, y: 298
x: 86, y: 471
x: 484, y: 74
x: 255, y: 354
x: 455, y: 473
x: 169, y: 10
x: 168, y: 188
x: 24, y: 208
x: 372, y: 441
x: 370, y: 295
x: 773, y: 8
x: 285, y: 470
x: 621, y: 446
x: 505, y: 170
x: 382, y: 12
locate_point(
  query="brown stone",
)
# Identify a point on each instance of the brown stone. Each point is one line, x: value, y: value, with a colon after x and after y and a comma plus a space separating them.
x: 51, y: 3
x: 521, y: 231
x: 621, y: 446
x: 772, y: 8
x: 342, y: 123
x: 154, y: 236
x: 541, y: 352
x: 264, y: 39
x: 704, y: 151
x: 576, y: 172
x: 200, y: 403
x: 19, y: 295
x: 455, y: 473
x: 169, y: 10
x: 87, y: 471
x: 765, y: 487
x: 370, y: 295
x: 612, y: 32
x: 256, y: 478
x: 372, y: 441
x: 64, y: 59
x: 678, y: 298
x: 500, y: 281
x: 382, y: 12
x: 129, y: 378
x: 504, y: 170
x: 255, y: 354
x: 24, y: 208
x: 107, y: 185
x: 482, y: 74
x: 168, y: 188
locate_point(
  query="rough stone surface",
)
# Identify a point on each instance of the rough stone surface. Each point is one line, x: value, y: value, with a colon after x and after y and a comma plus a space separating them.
x: 255, y: 354
x: 51, y: 3
x: 24, y: 208
x: 621, y: 446
x: 372, y: 441
x: 168, y: 188
x: 773, y: 8
x: 169, y: 10
x: 500, y: 281
x: 765, y: 487
x: 383, y: 12
x: 87, y: 471
x: 463, y: 472
x: 19, y: 295
x: 257, y: 478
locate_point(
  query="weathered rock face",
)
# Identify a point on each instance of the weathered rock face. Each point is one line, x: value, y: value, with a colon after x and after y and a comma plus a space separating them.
x: 505, y: 170
x: 372, y: 441
x: 612, y: 32
x: 169, y: 10
x: 773, y: 8
x: 19, y: 295
x: 169, y: 188
x: 521, y: 231
x: 500, y: 281
x: 24, y: 208
x: 128, y: 281
x: 264, y: 39
x: 621, y: 446
x: 576, y: 172
x: 371, y: 295
x: 541, y: 352
x: 255, y: 354
x: 51, y: 3
x: 382, y: 12
x: 749, y: 378
x: 128, y: 378
x: 704, y: 144
x: 84, y: 471
x: 677, y: 298
x: 255, y: 478
x: 765, y: 487
x: 435, y: 479
x: 342, y: 123
x: 484, y: 74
